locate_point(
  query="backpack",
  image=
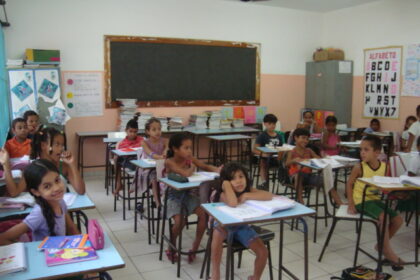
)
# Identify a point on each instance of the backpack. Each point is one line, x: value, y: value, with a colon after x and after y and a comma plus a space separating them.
x: 96, y: 234
x: 361, y: 272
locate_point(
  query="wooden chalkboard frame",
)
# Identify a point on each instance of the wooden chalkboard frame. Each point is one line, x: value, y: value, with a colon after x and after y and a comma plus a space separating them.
x: 171, y: 103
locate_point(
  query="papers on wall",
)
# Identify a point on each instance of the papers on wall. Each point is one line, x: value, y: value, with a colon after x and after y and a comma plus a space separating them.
x: 261, y: 111
x: 252, y: 209
x: 22, y: 92
x: 83, y: 93
x: 48, y: 84
x: 411, y: 81
x: 13, y: 258
x: 250, y: 114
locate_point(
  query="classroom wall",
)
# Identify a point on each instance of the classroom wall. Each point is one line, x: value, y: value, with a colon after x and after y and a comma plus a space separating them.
x: 288, y: 38
x: 377, y: 24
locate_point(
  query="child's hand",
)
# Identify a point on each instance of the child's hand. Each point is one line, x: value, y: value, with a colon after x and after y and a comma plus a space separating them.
x: 243, y: 198
x: 351, y: 209
x: 67, y: 157
x: 4, y: 156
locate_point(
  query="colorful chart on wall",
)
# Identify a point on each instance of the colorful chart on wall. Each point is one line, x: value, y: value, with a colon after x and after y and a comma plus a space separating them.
x: 411, y: 81
x: 382, y: 68
x: 83, y: 93
x: 22, y: 92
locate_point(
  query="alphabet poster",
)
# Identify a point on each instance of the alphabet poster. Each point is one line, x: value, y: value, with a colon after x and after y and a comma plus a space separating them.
x: 382, y: 82
x: 411, y: 82
x: 83, y: 93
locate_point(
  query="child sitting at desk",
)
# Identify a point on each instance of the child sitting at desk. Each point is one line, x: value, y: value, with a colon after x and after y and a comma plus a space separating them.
x: 19, y: 145
x: 132, y: 140
x: 302, y: 175
x: 154, y: 147
x: 50, y: 143
x: 268, y: 137
x: 32, y: 121
x: 181, y: 161
x: 49, y: 216
x: 308, y: 123
x: 414, y: 133
x: 330, y: 137
x: 375, y: 126
x: 235, y: 189
x: 370, y: 166
x: 405, y: 135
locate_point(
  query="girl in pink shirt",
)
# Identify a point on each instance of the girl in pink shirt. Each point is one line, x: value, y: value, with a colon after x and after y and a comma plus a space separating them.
x: 330, y: 138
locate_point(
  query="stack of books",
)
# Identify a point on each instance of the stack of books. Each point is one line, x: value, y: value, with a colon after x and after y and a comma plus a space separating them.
x: 238, y: 123
x: 13, y: 258
x: 67, y: 249
x: 11, y: 63
x: 214, y: 120
x: 175, y: 123
x: 224, y: 124
x: 163, y: 123
x: 199, y: 121
x: 127, y: 110
x: 144, y: 117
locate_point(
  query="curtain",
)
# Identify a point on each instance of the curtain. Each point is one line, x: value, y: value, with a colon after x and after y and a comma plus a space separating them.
x: 4, y: 96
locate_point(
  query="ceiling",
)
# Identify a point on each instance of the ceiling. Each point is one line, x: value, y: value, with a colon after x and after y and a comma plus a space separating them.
x: 309, y: 5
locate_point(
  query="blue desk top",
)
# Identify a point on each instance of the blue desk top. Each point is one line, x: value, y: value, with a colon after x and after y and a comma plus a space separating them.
x: 82, y: 202
x: 180, y: 186
x: 230, y: 137
x: 267, y: 150
x: 208, y: 131
x: 109, y: 258
x: 224, y: 219
x: 143, y: 164
x: 124, y: 154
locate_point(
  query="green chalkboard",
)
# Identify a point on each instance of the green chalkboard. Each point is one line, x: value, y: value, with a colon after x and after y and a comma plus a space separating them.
x: 161, y: 71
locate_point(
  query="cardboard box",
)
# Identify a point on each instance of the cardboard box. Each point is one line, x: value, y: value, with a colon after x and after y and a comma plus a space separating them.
x: 324, y: 55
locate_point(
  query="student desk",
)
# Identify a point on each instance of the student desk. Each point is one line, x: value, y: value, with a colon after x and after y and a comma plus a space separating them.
x: 197, y: 133
x: 82, y: 136
x: 108, y: 259
x: 178, y: 187
x: 269, y: 153
x: 219, y: 148
x: 297, y: 212
x: 82, y: 202
x: 387, y: 190
x: 350, y: 145
x: 145, y: 165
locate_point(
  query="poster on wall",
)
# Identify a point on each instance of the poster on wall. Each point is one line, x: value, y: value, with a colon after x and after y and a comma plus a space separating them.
x: 83, y: 93
x: 48, y: 84
x: 22, y: 92
x: 382, y: 82
x: 411, y: 80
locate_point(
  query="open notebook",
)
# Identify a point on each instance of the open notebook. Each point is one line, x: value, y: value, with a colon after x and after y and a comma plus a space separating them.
x: 203, y: 176
x: 12, y: 258
x: 323, y: 162
x: 403, y: 179
x: 252, y: 209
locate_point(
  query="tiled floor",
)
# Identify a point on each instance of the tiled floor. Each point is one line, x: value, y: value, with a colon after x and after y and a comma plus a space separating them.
x: 142, y: 260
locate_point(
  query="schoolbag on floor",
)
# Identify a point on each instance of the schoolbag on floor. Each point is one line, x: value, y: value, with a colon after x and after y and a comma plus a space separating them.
x: 362, y: 273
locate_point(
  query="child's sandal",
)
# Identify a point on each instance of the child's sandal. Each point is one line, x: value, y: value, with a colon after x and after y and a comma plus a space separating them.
x: 191, y: 256
x: 172, y: 256
x: 398, y: 266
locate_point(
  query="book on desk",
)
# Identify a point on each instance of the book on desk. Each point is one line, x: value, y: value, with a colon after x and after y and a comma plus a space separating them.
x: 12, y: 258
x: 252, y: 209
x: 65, y: 256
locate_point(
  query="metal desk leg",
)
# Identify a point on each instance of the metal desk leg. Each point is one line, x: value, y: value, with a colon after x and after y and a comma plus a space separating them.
x: 281, y: 249
x: 228, y: 253
x: 165, y: 208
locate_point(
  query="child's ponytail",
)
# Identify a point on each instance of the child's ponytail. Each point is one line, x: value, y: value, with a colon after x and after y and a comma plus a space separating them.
x: 33, y: 175
x: 45, y: 135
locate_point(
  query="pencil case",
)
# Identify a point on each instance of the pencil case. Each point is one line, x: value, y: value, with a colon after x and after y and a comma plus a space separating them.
x: 177, y: 178
x: 96, y: 234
